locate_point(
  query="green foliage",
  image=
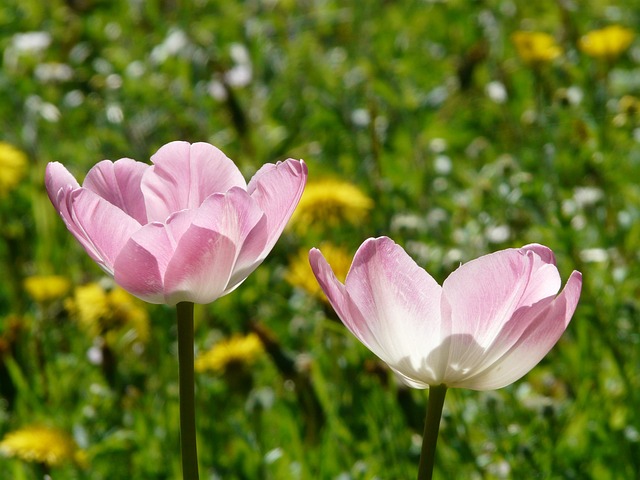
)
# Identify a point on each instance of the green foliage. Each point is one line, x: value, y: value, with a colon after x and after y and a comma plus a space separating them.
x: 426, y: 106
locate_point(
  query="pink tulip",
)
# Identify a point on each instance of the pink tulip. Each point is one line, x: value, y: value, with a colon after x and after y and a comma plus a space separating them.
x: 492, y: 320
x: 187, y: 228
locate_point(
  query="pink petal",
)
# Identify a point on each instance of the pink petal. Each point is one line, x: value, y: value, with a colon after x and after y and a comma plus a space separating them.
x: 336, y: 293
x: 178, y: 223
x: 119, y: 184
x: 478, y: 358
x: 251, y: 240
x: 277, y: 188
x: 238, y: 216
x: 56, y: 178
x: 391, y: 305
x: 183, y: 175
x: 545, y: 253
x: 200, y: 268
x: 60, y: 185
x: 482, y: 295
x: 341, y: 302
x: 140, y: 267
x: 102, y: 228
x: 64, y: 205
x: 543, y: 332
x: 545, y: 278
x: 412, y: 381
x: 234, y: 217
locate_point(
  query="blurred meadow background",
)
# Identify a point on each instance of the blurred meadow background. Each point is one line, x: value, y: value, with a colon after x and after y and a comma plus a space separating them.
x: 455, y: 127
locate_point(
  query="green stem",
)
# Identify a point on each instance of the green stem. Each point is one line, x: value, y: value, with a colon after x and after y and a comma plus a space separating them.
x: 187, y: 392
x: 430, y: 435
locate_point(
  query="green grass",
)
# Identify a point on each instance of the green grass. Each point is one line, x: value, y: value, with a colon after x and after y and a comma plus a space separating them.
x: 473, y: 176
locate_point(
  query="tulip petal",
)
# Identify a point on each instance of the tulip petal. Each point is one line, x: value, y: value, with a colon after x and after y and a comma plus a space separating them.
x: 253, y: 236
x: 178, y: 223
x: 542, y: 333
x: 60, y: 184
x: 56, y: 177
x: 183, y: 175
x: 277, y: 188
x: 401, y: 304
x: 391, y: 305
x: 233, y: 218
x: 545, y: 279
x: 119, y: 184
x: 338, y: 296
x: 141, y: 265
x: 239, y: 217
x: 482, y: 295
x: 476, y: 358
x: 200, y: 268
x: 545, y: 253
x: 102, y: 228
x: 341, y: 302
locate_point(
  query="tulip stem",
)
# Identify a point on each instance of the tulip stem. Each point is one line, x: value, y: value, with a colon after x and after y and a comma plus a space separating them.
x: 431, y: 428
x: 187, y: 392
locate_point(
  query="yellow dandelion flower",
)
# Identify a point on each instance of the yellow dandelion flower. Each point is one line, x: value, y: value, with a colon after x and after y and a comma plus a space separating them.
x: 89, y: 305
x: 239, y: 350
x: 127, y: 310
x: 13, y: 166
x: 606, y: 43
x: 299, y: 273
x: 536, y: 47
x: 46, y: 288
x: 329, y: 203
x: 109, y: 312
x: 40, y: 444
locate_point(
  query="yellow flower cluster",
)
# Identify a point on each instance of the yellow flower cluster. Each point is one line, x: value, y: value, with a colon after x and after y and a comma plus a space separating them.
x: 49, y: 446
x: 299, y: 273
x: 46, y: 288
x: 13, y: 166
x: 536, y: 47
x: 239, y: 350
x: 329, y: 203
x: 108, y: 313
x: 606, y: 43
